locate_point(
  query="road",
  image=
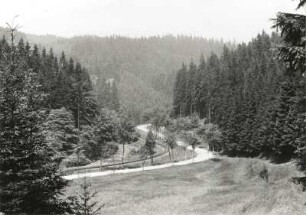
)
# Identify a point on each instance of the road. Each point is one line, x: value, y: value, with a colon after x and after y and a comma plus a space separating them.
x: 201, y: 155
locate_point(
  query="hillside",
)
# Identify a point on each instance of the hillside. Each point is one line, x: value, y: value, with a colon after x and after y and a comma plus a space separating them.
x: 144, y: 68
x: 218, y: 186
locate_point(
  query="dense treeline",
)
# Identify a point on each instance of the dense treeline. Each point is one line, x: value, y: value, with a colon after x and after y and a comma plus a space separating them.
x: 255, y: 94
x: 65, y: 83
x: 49, y: 119
x: 142, y: 68
x: 28, y: 164
x: 245, y: 92
x: 107, y: 94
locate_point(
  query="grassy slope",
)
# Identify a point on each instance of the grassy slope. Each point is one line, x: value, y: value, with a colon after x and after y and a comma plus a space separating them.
x: 225, y: 186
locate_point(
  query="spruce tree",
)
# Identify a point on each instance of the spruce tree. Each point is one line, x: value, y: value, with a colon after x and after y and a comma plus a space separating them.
x: 293, y: 54
x: 29, y: 182
x: 85, y: 204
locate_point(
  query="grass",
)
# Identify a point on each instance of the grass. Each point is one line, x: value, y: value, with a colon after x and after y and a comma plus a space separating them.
x: 217, y: 186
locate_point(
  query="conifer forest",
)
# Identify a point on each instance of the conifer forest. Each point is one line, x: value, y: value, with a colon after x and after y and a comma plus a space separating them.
x: 162, y: 123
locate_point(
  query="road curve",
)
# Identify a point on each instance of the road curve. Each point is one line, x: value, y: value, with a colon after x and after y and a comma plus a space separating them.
x: 201, y: 155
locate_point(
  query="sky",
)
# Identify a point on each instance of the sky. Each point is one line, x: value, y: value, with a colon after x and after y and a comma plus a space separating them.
x: 235, y: 20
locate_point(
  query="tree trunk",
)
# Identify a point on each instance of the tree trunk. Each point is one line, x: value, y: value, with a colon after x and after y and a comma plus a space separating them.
x: 101, y: 163
x: 123, y: 149
x: 152, y: 160
x: 113, y: 158
x: 143, y: 164
x: 209, y: 115
x: 172, y: 158
x: 192, y: 155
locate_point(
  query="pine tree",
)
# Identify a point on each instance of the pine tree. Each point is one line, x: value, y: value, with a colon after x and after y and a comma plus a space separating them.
x: 26, y: 162
x: 85, y: 205
x: 179, y: 104
x: 107, y: 94
x: 235, y: 91
x: 61, y: 135
x: 293, y: 54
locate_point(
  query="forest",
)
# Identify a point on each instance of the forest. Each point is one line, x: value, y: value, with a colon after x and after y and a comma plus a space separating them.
x: 254, y: 94
x: 143, y: 68
x: 71, y: 102
x: 51, y: 118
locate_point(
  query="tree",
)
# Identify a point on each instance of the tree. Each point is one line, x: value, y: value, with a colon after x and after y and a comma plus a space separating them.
x: 150, y: 144
x: 192, y: 141
x: 293, y: 30
x: 109, y: 150
x: 170, y: 141
x: 105, y: 133
x: 293, y: 54
x: 82, y: 100
x: 179, y: 92
x: 107, y: 94
x: 212, y: 135
x: 159, y: 119
x: 85, y: 205
x: 126, y: 133
x: 233, y: 91
x: 26, y: 162
x: 60, y: 132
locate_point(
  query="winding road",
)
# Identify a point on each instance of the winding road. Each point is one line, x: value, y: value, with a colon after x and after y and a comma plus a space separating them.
x: 201, y: 155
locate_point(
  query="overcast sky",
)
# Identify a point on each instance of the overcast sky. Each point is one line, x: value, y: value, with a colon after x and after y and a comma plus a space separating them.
x: 238, y: 20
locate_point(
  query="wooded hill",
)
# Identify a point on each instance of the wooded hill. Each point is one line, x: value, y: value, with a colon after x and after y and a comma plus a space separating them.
x: 49, y: 119
x: 143, y: 68
x: 255, y: 94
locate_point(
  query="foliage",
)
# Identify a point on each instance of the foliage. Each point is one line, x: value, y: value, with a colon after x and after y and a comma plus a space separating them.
x: 192, y: 139
x: 212, y: 134
x: 148, y: 148
x: 109, y: 149
x: 84, y: 204
x: 61, y: 135
x: 255, y: 94
x: 105, y: 132
x: 232, y: 91
x: 107, y: 94
x: 293, y: 111
x: 170, y: 141
x: 142, y: 68
x: 126, y: 133
x: 27, y: 163
x: 184, y: 123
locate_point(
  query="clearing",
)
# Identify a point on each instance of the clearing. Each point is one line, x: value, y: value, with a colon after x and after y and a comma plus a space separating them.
x: 217, y: 186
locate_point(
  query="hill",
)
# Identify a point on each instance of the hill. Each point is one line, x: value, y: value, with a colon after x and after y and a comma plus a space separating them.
x: 144, y: 68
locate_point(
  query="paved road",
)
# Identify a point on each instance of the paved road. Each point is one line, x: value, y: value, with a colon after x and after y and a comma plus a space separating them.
x: 201, y: 155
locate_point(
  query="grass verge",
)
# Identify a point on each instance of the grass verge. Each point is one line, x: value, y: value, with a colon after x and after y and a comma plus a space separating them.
x: 218, y: 186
